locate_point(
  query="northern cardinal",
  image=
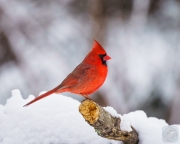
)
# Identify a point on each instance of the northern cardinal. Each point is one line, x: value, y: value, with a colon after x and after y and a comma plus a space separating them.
x: 86, y: 78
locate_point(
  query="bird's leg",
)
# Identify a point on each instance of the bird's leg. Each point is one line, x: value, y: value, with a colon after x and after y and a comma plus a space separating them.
x: 88, y: 97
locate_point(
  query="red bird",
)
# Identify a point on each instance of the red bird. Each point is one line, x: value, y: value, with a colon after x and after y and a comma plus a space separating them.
x: 86, y: 78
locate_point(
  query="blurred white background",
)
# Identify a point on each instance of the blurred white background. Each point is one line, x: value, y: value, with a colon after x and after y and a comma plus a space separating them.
x: 42, y: 41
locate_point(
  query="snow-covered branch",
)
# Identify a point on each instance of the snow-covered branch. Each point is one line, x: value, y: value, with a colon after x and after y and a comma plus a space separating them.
x: 105, y: 124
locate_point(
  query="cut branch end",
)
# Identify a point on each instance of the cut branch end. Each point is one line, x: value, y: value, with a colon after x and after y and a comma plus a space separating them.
x: 105, y: 124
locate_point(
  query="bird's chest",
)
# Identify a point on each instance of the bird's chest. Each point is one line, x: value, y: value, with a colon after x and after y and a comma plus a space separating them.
x: 97, y: 74
x: 94, y: 79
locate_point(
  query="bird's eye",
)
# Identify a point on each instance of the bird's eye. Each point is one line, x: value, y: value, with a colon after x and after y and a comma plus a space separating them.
x: 100, y: 55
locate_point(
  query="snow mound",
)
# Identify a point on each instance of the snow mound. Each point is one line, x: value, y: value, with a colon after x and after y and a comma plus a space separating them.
x: 56, y: 120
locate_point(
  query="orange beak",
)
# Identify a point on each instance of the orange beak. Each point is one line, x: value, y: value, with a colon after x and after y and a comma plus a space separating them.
x: 106, y: 58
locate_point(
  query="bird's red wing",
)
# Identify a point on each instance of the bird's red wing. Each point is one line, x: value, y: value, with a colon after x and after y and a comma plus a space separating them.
x: 69, y: 81
x: 74, y: 76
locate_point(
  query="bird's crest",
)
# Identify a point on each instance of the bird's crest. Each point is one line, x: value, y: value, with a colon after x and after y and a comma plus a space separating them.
x: 98, y: 48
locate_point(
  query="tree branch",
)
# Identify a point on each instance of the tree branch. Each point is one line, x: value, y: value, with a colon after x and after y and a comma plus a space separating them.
x: 105, y: 124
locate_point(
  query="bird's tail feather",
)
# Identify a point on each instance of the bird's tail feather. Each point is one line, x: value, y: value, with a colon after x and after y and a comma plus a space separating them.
x: 43, y: 96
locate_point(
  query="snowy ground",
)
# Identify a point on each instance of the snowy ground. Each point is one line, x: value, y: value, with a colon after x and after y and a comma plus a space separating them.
x: 56, y: 120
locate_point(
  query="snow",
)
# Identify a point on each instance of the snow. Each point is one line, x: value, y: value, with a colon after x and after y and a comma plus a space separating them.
x: 112, y: 111
x: 124, y: 125
x: 56, y: 120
